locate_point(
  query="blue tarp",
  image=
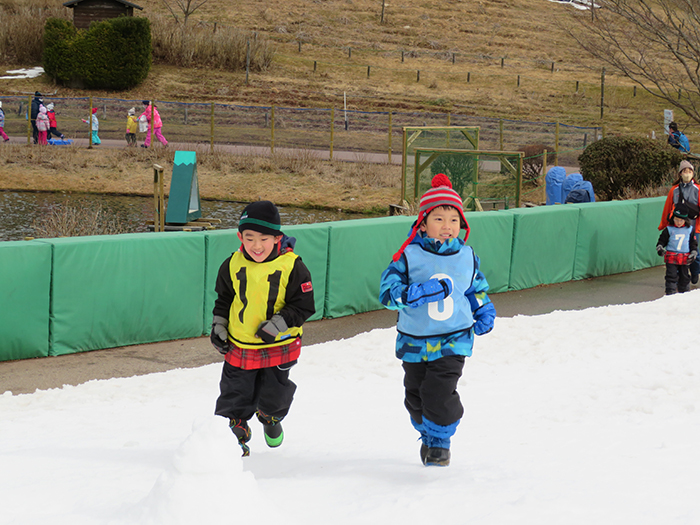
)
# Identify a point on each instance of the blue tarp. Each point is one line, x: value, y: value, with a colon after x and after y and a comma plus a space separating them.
x: 59, y: 142
x: 554, y: 180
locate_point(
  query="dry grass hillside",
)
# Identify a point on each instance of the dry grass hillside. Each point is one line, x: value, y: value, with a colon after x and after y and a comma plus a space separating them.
x: 511, y: 59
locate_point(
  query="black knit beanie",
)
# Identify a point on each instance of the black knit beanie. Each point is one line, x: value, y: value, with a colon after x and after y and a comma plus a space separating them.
x: 261, y: 216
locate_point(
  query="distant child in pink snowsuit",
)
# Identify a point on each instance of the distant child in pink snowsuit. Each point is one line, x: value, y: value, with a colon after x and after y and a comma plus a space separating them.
x: 153, y: 127
x: 2, y: 124
x: 42, y: 125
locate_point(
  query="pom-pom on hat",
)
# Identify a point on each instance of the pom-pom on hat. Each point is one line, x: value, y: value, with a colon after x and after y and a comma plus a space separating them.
x: 261, y: 216
x: 132, y: 111
x: 94, y: 110
x: 49, y: 106
x: 440, y: 194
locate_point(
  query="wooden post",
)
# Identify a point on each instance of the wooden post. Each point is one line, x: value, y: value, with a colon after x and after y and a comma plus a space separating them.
x: 500, y: 134
x: 577, y: 86
x: 556, y: 145
x: 349, y: 52
x: 211, y: 132
x: 519, y: 186
x: 401, y: 57
x: 247, y: 61
x: 29, y: 120
x: 150, y: 127
x: 634, y: 91
x: 332, y: 131
x: 502, y: 62
x: 469, y: 75
x: 602, y: 92
x: 314, y: 66
x: 90, y: 125
x: 272, y: 129
x: 368, y: 71
x: 418, y: 76
x: 518, y: 80
x: 158, y: 199
x: 390, y: 130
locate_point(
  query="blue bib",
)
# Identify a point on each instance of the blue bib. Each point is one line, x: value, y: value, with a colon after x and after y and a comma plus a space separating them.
x: 453, y: 314
x: 679, y: 239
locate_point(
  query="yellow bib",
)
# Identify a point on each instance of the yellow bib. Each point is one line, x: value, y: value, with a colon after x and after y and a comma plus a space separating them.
x: 260, y: 289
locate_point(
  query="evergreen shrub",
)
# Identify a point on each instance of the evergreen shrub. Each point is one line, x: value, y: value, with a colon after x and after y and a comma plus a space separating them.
x: 615, y: 165
x: 112, y: 54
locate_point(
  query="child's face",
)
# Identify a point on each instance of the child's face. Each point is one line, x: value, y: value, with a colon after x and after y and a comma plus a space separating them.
x: 258, y: 245
x: 441, y: 224
x: 678, y: 222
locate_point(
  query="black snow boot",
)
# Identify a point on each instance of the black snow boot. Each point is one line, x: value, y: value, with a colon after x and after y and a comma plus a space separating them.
x: 272, y: 428
x: 439, y: 457
x: 241, y: 430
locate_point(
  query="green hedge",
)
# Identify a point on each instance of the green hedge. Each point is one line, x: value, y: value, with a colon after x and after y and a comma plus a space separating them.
x: 112, y: 54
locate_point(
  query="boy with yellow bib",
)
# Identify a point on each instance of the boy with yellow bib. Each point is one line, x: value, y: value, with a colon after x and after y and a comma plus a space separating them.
x: 264, y: 296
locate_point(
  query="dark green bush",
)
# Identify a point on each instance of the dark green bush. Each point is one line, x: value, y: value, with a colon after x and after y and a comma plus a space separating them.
x: 615, y: 164
x: 112, y: 54
x: 461, y: 170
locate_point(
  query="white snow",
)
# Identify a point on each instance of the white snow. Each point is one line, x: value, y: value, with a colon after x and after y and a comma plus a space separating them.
x: 577, y: 417
x: 31, y: 72
x: 578, y: 4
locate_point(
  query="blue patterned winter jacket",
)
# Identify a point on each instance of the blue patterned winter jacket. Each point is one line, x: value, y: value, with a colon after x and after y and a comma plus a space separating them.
x: 414, y: 347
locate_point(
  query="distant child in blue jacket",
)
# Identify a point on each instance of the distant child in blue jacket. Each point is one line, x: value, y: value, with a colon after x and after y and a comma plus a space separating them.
x: 435, y: 283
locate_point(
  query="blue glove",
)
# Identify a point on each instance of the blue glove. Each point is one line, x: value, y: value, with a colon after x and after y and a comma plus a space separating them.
x: 484, y: 318
x: 428, y: 292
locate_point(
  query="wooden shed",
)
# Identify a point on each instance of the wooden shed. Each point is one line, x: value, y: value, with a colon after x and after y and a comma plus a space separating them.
x: 87, y: 11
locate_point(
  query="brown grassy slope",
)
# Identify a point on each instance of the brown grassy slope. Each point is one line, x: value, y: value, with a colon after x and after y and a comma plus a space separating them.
x: 528, y: 34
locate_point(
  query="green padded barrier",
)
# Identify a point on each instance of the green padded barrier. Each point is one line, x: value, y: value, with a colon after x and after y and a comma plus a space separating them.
x: 491, y: 236
x: 359, y: 251
x: 606, y: 238
x: 648, y: 218
x: 110, y: 291
x: 544, y: 244
x: 311, y: 246
x: 24, y: 296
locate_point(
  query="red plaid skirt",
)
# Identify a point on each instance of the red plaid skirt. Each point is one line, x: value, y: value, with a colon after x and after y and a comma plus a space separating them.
x: 676, y: 258
x: 255, y: 358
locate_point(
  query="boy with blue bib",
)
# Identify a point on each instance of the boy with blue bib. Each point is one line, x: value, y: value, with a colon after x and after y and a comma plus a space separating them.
x: 264, y: 295
x: 435, y: 283
x: 679, y: 247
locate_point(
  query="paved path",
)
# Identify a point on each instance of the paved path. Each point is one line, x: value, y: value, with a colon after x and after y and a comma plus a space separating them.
x: 28, y: 375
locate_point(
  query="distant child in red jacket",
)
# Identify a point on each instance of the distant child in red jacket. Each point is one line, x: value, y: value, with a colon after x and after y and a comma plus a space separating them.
x: 53, y: 128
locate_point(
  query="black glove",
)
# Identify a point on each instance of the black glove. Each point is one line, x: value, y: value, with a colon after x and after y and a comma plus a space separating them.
x: 269, y: 329
x: 428, y: 292
x: 219, y: 334
x: 692, y: 256
x: 660, y: 250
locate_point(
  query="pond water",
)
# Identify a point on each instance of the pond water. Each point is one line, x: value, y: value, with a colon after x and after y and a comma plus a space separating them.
x: 20, y: 210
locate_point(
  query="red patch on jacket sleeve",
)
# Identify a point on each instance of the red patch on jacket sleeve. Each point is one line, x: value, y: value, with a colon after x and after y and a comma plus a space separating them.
x: 306, y: 287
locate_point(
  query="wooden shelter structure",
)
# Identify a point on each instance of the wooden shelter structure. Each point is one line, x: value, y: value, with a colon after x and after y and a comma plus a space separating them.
x: 87, y: 11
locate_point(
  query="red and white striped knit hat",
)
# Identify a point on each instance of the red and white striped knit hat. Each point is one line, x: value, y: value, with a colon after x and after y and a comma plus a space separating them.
x: 440, y: 194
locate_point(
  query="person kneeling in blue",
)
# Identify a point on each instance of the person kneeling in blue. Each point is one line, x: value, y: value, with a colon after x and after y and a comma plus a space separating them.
x: 435, y: 283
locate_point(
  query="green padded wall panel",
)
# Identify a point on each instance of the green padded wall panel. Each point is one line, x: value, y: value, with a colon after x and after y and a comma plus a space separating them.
x: 491, y: 236
x: 606, y: 238
x: 118, y: 290
x: 648, y: 218
x: 544, y: 244
x: 311, y: 246
x: 359, y: 251
x: 24, y: 296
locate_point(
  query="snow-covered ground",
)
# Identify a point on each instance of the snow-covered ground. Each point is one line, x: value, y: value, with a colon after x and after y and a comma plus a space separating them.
x: 31, y: 72
x: 577, y: 417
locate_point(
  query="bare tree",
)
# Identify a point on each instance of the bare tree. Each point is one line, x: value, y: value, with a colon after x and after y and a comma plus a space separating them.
x: 185, y: 7
x: 655, y: 43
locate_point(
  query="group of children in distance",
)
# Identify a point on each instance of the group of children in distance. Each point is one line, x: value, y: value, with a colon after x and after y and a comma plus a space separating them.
x: 43, y: 120
x: 678, y: 242
x: 265, y: 294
